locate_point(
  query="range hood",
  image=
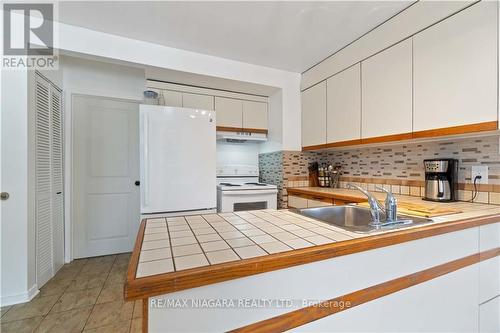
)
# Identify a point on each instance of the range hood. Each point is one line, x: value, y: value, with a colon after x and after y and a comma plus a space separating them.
x: 241, y: 137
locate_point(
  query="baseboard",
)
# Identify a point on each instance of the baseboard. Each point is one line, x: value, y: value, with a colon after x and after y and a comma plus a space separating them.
x: 20, y: 298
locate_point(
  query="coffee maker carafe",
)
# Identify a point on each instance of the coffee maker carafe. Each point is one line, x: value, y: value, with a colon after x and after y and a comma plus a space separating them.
x: 441, y: 178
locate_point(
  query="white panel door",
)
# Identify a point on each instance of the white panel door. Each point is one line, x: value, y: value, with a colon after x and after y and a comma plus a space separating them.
x: 387, y: 92
x: 229, y: 112
x: 43, y: 183
x: 344, y: 105
x: 254, y: 115
x: 314, y: 115
x: 105, y: 200
x: 455, y: 69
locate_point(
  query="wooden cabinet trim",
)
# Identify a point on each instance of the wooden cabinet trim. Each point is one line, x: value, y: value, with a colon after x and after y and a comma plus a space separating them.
x: 454, y: 130
x: 241, y: 129
x: 311, y: 313
x: 439, y: 132
x: 140, y: 288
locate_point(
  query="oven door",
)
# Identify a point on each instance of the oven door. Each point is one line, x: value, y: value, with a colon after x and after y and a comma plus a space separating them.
x: 239, y: 200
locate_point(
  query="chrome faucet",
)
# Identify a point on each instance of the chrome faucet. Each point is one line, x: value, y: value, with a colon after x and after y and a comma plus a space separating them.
x: 391, y: 205
x: 375, y: 206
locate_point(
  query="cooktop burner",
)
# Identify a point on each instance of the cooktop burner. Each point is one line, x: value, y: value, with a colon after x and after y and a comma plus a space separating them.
x: 256, y: 184
x: 229, y: 184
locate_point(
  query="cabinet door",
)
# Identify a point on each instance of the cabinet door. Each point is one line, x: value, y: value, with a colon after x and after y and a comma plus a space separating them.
x: 314, y: 115
x: 387, y: 92
x: 489, y: 316
x: 229, y: 112
x: 344, y: 105
x: 196, y: 101
x: 172, y: 98
x: 311, y: 203
x: 296, y: 202
x: 254, y: 115
x: 455, y: 70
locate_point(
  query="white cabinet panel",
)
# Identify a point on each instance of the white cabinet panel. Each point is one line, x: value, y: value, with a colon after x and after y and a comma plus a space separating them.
x: 172, y: 98
x: 489, y: 236
x: 229, y: 112
x: 254, y: 115
x: 196, y: 101
x: 317, y: 203
x: 314, y: 115
x: 297, y: 202
x: 344, y: 105
x: 489, y: 279
x: 455, y: 70
x: 489, y: 316
x: 387, y: 92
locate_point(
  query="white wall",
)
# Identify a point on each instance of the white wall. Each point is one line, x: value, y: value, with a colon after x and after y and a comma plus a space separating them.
x: 229, y: 153
x: 17, y: 276
x: 85, y: 41
x: 89, y: 77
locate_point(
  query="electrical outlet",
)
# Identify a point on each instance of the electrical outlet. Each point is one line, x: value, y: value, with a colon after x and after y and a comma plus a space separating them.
x: 480, y: 170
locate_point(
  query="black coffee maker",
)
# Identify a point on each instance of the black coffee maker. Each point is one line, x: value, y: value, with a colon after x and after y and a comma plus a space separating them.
x: 441, y: 179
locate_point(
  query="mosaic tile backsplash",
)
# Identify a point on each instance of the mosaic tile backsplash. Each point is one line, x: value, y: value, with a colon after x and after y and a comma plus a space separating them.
x: 395, y: 162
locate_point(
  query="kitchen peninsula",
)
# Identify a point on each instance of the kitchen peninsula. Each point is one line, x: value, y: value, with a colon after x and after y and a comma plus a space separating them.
x: 422, y: 276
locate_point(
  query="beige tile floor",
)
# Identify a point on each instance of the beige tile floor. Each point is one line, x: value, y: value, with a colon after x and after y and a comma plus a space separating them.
x: 84, y: 296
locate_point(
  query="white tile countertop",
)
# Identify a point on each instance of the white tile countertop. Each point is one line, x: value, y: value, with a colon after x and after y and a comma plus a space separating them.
x: 177, y: 243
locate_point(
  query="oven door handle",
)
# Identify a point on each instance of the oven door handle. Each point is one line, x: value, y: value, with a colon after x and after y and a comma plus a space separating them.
x: 247, y: 192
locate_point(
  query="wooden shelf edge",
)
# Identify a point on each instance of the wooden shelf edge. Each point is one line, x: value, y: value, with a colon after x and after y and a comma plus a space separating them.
x: 308, y: 194
x: 438, y: 132
x: 155, y: 285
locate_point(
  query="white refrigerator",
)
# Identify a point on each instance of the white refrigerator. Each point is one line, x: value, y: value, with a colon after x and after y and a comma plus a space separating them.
x: 178, y: 160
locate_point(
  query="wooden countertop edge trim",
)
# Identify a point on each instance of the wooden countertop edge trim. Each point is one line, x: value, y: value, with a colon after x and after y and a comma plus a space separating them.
x: 312, y: 313
x: 437, y: 132
x: 345, y: 197
x: 139, y: 288
x: 136, y: 252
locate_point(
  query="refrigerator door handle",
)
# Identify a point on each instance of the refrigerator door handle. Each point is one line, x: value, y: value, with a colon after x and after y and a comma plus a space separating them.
x: 145, y: 147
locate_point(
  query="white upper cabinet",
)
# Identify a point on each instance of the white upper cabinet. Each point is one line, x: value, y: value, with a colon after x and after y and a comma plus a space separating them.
x: 254, y: 115
x: 344, y: 105
x: 172, y: 98
x: 387, y: 92
x: 228, y: 112
x: 314, y: 115
x: 455, y: 70
x: 197, y: 101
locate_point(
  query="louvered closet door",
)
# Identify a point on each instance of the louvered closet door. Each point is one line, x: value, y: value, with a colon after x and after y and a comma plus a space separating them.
x: 43, y: 196
x: 49, y: 202
x: 57, y: 180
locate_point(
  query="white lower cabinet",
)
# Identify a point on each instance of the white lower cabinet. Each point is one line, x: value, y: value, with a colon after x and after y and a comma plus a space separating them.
x: 296, y: 202
x: 489, y: 316
x: 311, y: 203
x: 445, y: 304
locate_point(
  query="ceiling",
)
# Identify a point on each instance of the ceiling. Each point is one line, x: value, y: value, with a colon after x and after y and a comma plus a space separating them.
x: 291, y: 35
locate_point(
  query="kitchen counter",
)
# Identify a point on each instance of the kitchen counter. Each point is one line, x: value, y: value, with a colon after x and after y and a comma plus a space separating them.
x: 356, y: 196
x: 177, y: 253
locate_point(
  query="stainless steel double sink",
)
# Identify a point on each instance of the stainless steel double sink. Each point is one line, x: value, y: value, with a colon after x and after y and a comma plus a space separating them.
x: 357, y: 219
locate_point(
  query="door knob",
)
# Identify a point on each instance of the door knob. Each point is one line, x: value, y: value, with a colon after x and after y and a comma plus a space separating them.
x: 137, y: 183
x: 4, y: 196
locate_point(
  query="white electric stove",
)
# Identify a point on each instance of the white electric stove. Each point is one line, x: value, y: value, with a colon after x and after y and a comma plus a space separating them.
x: 238, y: 189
